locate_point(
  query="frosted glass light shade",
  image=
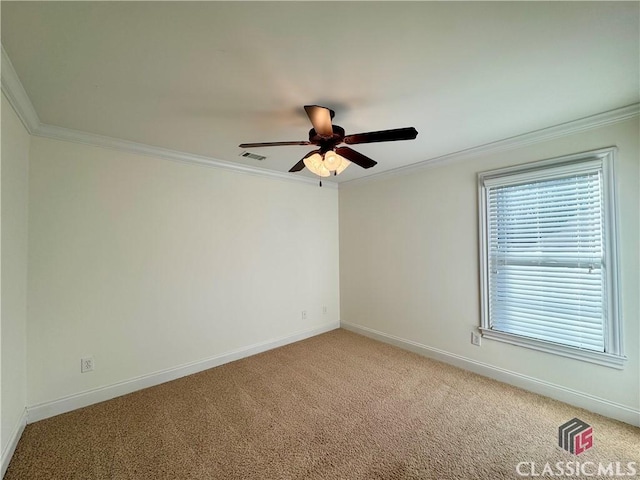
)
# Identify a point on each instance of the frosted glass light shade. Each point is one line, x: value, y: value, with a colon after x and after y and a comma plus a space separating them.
x: 315, y: 164
x: 343, y: 164
x: 332, y: 160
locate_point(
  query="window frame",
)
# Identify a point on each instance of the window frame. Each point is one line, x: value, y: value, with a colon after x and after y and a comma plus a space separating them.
x: 613, y: 356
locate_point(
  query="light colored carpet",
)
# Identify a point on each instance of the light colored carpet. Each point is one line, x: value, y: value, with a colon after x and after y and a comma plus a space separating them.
x: 336, y: 406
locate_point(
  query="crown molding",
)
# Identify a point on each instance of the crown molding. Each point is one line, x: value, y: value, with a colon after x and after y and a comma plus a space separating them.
x: 17, y: 96
x: 19, y: 100
x: 85, y: 138
x: 537, y: 136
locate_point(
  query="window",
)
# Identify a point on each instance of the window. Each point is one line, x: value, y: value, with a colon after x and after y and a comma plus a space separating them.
x: 548, y: 257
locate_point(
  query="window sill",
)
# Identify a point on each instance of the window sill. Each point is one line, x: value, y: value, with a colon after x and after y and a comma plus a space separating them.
x: 599, y: 358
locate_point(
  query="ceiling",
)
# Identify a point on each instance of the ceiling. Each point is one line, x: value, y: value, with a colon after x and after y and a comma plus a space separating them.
x: 203, y: 77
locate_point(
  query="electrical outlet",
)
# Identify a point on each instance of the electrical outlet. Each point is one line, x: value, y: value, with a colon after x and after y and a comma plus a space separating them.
x: 324, y: 310
x: 304, y: 314
x: 475, y: 339
x: 86, y: 364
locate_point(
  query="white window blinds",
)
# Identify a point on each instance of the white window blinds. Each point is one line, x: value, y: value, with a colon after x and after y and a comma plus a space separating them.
x: 546, y: 257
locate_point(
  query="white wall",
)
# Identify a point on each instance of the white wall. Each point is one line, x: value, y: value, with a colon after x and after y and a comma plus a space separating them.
x: 150, y: 264
x: 13, y: 281
x: 409, y: 269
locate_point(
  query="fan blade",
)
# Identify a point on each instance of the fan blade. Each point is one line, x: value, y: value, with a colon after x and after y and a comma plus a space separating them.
x: 300, y: 165
x: 273, y: 144
x: 356, y: 157
x: 320, y: 119
x: 408, y: 133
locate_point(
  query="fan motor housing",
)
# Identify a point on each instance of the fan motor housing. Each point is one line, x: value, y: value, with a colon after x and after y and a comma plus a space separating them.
x: 327, y: 143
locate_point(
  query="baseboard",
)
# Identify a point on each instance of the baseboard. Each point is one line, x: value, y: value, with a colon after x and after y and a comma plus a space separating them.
x: 90, y: 397
x: 7, y: 453
x: 558, y: 392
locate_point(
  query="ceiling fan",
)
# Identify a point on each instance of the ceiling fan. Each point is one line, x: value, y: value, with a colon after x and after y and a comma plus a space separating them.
x: 330, y: 158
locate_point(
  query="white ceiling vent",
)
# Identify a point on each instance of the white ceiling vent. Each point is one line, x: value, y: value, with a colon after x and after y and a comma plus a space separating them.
x: 252, y: 156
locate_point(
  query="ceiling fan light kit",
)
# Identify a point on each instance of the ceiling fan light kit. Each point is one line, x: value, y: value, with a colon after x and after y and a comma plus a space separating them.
x: 315, y: 163
x: 331, y: 158
x: 324, y: 165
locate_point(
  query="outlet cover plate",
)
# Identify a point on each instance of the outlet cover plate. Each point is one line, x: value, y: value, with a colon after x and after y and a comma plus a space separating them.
x: 86, y: 364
